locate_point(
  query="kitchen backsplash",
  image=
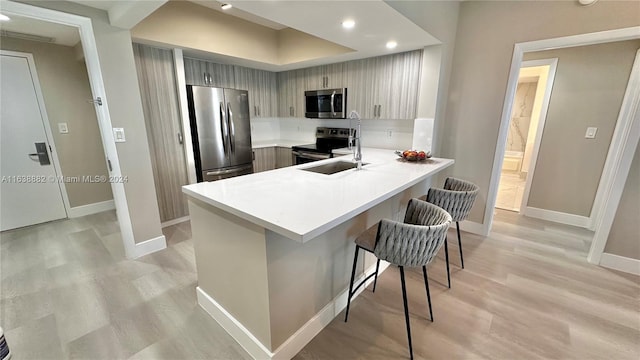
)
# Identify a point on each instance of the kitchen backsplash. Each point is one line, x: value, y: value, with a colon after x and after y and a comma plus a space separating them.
x: 379, y: 133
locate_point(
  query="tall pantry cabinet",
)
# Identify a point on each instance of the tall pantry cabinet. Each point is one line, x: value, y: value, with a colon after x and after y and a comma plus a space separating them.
x: 156, y: 77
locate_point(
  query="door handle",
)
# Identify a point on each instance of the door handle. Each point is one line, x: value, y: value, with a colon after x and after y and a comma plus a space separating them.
x: 231, y: 127
x: 333, y: 110
x: 41, y: 153
x: 223, y: 127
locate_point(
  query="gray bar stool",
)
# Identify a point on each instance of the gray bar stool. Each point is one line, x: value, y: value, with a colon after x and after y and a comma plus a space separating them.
x: 413, y: 243
x: 456, y: 198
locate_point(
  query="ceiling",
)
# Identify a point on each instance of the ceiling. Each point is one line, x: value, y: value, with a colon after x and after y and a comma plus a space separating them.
x: 376, y: 21
x: 324, y: 20
x: 240, y: 14
x: 61, y: 34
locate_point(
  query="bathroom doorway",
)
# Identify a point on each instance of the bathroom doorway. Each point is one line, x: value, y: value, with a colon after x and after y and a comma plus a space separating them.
x: 528, y: 114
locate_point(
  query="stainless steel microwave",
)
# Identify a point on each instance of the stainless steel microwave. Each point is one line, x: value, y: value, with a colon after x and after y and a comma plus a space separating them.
x: 326, y: 104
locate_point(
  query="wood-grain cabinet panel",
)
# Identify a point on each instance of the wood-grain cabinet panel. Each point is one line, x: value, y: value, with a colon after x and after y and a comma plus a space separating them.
x: 264, y: 159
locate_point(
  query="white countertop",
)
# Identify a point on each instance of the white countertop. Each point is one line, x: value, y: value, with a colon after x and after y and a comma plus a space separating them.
x: 277, y: 143
x: 281, y: 200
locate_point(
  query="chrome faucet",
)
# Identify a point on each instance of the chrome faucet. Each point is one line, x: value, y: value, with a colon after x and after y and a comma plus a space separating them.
x: 357, y: 154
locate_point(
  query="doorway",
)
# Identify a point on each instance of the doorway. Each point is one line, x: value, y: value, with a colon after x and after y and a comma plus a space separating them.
x: 529, y: 112
x: 51, y: 142
x: 89, y: 50
x: 28, y: 165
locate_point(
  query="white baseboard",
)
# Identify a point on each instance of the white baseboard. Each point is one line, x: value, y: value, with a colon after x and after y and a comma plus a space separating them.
x: 559, y: 217
x: 295, y: 342
x: 150, y: 246
x: 473, y: 227
x: 84, y: 210
x: 620, y: 263
x: 175, y: 221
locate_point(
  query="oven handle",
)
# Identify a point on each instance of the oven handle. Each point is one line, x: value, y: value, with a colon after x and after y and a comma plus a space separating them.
x: 311, y: 156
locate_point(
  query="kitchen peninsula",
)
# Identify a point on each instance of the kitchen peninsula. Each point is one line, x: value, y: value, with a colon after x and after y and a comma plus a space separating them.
x: 274, y: 249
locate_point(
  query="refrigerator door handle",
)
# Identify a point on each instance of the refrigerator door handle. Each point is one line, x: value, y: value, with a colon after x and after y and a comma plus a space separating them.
x: 233, y: 130
x: 223, y: 126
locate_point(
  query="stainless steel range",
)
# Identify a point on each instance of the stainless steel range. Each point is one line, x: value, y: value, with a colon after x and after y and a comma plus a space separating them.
x: 327, y: 139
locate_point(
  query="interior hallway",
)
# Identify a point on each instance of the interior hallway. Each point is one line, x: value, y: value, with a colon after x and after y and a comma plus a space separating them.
x: 510, y: 191
x: 526, y: 292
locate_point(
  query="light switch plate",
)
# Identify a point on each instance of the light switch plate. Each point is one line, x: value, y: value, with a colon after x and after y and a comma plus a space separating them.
x: 591, y: 133
x: 63, y: 128
x: 118, y: 135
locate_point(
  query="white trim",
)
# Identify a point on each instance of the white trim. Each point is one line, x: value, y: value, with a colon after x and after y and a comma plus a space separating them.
x: 92, y: 61
x: 626, y: 135
x: 620, y: 263
x: 181, y: 89
x: 518, y: 52
x: 551, y: 76
x: 295, y: 342
x: 175, y: 221
x: 53, y: 153
x: 473, y: 227
x: 84, y: 210
x: 150, y: 246
x: 620, y: 135
x: 556, y: 216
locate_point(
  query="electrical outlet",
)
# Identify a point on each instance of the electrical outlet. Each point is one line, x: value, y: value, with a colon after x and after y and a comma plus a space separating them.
x: 591, y: 133
x: 389, y: 133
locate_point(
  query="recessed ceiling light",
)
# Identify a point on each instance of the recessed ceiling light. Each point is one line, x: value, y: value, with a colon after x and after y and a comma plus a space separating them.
x: 391, y: 44
x: 226, y: 6
x: 4, y: 17
x: 348, y: 24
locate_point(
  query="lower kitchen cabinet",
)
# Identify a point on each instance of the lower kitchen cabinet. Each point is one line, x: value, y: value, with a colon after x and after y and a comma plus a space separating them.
x: 270, y: 158
x: 264, y: 159
x: 284, y: 157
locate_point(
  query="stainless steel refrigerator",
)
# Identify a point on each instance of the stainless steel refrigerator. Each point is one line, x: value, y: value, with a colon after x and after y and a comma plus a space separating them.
x: 221, y: 132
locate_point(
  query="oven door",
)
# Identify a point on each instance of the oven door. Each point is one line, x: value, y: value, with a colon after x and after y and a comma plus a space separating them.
x: 325, y: 104
x: 303, y: 157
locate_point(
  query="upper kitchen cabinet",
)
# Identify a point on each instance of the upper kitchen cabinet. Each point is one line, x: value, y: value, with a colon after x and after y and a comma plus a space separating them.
x: 291, y: 87
x: 360, y: 85
x: 385, y: 87
x: 204, y: 73
x: 195, y: 72
x: 262, y: 87
x: 325, y: 77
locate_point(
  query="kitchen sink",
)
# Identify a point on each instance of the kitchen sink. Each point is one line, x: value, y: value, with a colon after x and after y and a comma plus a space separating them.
x: 333, y: 167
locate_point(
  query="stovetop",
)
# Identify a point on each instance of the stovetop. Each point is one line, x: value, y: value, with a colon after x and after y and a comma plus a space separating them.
x: 327, y: 139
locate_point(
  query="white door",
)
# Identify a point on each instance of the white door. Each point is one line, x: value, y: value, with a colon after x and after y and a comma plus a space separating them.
x: 29, y: 193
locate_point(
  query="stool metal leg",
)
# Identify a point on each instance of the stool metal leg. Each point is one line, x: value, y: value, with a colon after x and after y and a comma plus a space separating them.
x: 406, y: 310
x: 426, y: 285
x: 353, y: 275
x: 375, y: 279
x: 460, y: 244
x: 446, y: 255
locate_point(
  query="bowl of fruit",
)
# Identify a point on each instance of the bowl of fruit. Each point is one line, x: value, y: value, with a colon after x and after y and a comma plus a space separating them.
x: 413, y: 155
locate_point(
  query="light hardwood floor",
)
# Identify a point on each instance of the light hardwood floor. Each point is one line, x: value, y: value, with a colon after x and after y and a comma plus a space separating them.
x: 526, y: 293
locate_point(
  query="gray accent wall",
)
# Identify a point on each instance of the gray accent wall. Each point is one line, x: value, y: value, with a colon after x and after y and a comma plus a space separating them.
x: 624, y: 237
x: 589, y: 86
x: 65, y: 88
